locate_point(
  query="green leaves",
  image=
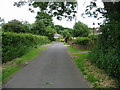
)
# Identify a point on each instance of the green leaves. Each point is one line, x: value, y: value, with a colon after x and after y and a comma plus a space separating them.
x: 55, y: 9
x: 82, y: 41
x: 65, y: 33
x: 106, y: 52
x: 80, y: 29
x: 50, y: 33
x: 45, y: 18
x: 15, y: 26
x: 15, y: 45
x: 38, y: 28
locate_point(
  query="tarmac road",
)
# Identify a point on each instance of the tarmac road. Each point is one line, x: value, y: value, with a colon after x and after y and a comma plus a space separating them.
x: 53, y: 68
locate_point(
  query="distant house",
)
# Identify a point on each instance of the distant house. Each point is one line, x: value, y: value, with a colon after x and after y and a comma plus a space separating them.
x: 56, y: 36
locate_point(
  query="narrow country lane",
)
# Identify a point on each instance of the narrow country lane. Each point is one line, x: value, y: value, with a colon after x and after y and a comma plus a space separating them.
x: 53, y: 68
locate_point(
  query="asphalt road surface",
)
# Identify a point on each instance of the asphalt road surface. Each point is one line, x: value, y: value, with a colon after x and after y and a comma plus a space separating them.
x: 53, y: 68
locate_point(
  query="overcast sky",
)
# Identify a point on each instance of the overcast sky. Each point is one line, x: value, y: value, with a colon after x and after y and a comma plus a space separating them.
x: 10, y: 12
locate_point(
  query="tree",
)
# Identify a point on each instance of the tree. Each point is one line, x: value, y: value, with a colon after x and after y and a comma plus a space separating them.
x: 38, y: 28
x: 106, y: 54
x: 65, y: 34
x: 80, y: 29
x: 1, y: 21
x: 55, y: 9
x: 45, y: 18
x: 50, y: 33
x: 70, y: 30
x: 59, y: 28
x: 15, y: 26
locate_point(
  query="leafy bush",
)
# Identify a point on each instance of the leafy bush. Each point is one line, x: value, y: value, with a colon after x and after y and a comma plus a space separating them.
x: 106, y: 53
x: 15, y: 26
x: 82, y: 41
x: 15, y: 45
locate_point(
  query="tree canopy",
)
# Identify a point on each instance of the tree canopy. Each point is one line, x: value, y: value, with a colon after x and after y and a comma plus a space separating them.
x: 15, y: 26
x: 80, y: 29
x: 65, y: 33
x: 38, y: 28
x: 50, y: 33
x: 54, y: 9
x: 45, y: 18
x: 59, y: 28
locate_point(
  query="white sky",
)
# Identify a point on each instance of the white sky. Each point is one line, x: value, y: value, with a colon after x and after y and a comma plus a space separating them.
x: 10, y: 12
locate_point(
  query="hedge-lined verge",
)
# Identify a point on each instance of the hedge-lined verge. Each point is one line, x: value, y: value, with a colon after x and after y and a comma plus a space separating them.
x: 15, y: 45
x: 106, y: 53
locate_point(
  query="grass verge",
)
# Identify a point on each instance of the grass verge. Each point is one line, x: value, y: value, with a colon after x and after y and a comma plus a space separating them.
x: 71, y: 49
x: 9, y: 68
x: 97, y: 77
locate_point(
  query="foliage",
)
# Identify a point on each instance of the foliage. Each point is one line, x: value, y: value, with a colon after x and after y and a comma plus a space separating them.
x: 56, y: 9
x: 45, y: 18
x: 38, y: 28
x: 1, y: 21
x: 15, y: 26
x: 96, y: 76
x: 82, y: 41
x: 65, y: 33
x: 94, y: 39
x: 59, y: 28
x: 15, y: 45
x: 106, y: 53
x: 28, y: 25
x: 50, y: 33
x: 43, y: 25
x: 80, y: 29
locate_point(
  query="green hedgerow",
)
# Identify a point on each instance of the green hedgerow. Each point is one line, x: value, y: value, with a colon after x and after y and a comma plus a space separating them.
x: 15, y: 45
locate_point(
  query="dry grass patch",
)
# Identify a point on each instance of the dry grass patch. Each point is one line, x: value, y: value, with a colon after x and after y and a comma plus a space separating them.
x: 105, y: 81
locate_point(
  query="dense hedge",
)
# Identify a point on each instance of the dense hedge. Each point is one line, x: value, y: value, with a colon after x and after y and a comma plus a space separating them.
x: 82, y: 41
x: 106, y: 53
x: 15, y: 45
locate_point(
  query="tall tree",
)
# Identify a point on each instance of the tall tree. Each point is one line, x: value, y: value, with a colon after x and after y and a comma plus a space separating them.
x: 59, y: 28
x: 80, y: 29
x: 38, y: 28
x: 50, y: 33
x: 1, y: 21
x: 45, y: 18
